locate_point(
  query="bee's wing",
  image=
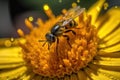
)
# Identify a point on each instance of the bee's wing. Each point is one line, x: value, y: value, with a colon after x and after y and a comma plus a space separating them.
x: 71, y: 14
x: 66, y: 22
x: 74, y: 12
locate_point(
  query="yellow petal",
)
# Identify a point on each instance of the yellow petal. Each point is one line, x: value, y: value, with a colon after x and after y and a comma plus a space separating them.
x: 111, y: 39
x: 12, y: 73
x: 28, y: 76
x: 111, y: 68
x: 95, y: 10
x: 115, y: 62
x: 114, y: 75
x: 10, y: 52
x: 11, y: 60
x: 109, y: 23
x: 112, y: 48
x: 13, y: 65
x: 10, y: 55
x: 106, y: 58
x: 114, y: 37
x: 95, y: 75
x: 109, y: 54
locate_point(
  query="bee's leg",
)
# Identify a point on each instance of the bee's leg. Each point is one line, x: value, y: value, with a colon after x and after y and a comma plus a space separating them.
x: 57, y: 45
x: 70, y: 31
x: 67, y: 37
x: 49, y: 46
x: 74, y: 23
x: 43, y: 41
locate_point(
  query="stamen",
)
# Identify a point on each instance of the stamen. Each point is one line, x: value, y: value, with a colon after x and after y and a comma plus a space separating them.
x: 20, y: 32
x: 74, y: 4
x: 48, y: 11
x: 29, y: 25
x: 64, y: 11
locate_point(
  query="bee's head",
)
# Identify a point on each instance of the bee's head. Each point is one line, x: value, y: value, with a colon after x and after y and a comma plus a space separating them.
x: 50, y: 37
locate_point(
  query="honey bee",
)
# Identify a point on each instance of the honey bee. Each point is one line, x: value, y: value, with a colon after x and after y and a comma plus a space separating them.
x: 65, y: 25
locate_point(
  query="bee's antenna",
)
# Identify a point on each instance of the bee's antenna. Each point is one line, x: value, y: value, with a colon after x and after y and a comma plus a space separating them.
x: 42, y: 41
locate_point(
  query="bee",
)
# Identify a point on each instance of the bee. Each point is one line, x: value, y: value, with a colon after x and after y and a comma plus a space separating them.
x: 65, y: 25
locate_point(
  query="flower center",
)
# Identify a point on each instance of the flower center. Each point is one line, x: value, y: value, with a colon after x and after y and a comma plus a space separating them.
x: 66, y: 59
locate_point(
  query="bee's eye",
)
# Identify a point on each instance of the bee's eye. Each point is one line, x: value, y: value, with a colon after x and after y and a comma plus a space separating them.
x: 50, y: 37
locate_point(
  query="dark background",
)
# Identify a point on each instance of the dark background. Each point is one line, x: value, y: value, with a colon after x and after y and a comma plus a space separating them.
x: 13, y: 12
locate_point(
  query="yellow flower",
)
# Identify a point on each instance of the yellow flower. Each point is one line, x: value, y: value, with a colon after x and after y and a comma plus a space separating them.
x: 94, y: 55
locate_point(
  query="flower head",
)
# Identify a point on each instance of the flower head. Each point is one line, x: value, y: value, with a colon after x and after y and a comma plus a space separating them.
x: 64, y: 59
x: 90, y: 53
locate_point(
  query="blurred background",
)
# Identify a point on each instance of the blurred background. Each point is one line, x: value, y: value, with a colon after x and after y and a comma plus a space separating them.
x: 13, y: 12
